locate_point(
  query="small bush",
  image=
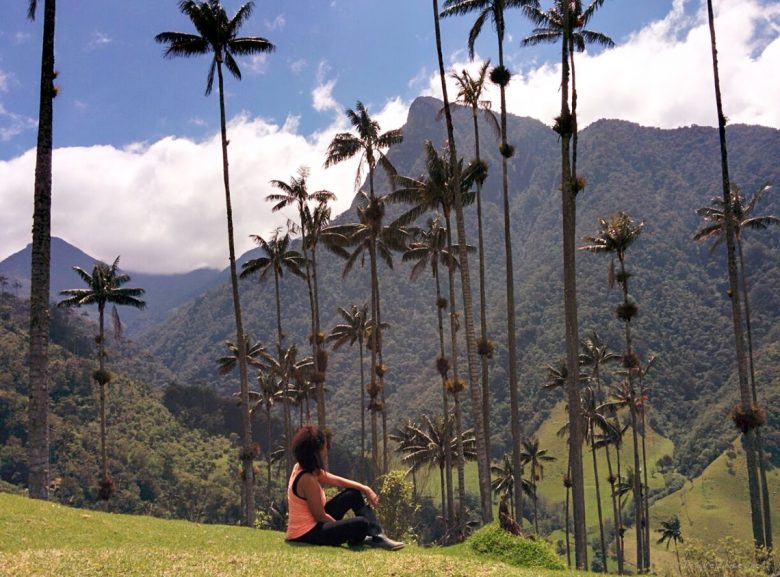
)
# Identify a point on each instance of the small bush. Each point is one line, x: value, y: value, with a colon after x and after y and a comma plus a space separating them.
x: 397, y: 511
x: 494, y: 542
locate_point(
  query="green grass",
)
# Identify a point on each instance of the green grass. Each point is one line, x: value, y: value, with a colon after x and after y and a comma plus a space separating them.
x: 43, y: 539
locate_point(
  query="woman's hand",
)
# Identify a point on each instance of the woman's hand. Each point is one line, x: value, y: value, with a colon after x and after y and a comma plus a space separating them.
x: 371, y: 497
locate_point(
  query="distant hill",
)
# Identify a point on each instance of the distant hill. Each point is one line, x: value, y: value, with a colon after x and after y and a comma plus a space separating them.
x: 163, y: 292
x: 658, y: 176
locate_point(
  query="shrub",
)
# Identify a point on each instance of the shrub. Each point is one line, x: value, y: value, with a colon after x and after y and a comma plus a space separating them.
x: 494, y: 542
x: 398, y: 512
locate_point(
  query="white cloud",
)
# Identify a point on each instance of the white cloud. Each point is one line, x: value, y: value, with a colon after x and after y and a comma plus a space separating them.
x: 662, y: 75
x: 298, y: 66
x: 22, y: 37
x: 12, y: 124
x: 277, y: 23
x: 161, y: 205
x: 98, y: 40
x: 322, y: 97
x: 258, y: 63
x: 3, y: 81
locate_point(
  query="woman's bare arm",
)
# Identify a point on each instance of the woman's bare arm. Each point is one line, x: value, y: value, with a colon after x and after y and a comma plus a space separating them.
x: 335, y: 481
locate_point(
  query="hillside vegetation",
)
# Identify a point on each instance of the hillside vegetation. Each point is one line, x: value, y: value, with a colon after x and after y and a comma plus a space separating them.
x: 658, y: 176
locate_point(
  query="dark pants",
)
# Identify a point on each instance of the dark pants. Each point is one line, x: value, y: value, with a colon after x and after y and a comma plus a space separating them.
x: 353, y: 530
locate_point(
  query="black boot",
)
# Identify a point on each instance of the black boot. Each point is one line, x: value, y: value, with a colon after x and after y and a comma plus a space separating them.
x: 376, y: 538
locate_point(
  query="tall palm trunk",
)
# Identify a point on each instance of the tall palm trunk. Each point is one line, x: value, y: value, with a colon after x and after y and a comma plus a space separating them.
x: 248, y: 486
x: 483, y: 460
x: 598, y: 496
x: 482, y: 298
x: 285, y: 392
x: 363, y: 471
x: 642, y: 553
x: 102, y: 382
x: 567, y: 485
x: 320, y: 361
x: 767, y: 514
x: 568, y: 213
x: 456, y: 391
x: 375, y: 337
x: 449, y: 513
x: 269, y: 444
x: 38, y: 411
x: 646, y: 494
x: 514, y: 404
x: 736, y: 309
x: 615, y: 512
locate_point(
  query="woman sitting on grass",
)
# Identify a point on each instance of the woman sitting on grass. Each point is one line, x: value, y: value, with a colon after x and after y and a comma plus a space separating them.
x: 313, y: 520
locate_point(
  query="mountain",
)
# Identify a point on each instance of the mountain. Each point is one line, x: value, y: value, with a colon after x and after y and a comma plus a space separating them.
x: 658, y: 176
x: 163, y: 292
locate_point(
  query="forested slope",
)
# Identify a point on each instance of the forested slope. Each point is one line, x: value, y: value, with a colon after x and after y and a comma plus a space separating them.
x: 658, y: 176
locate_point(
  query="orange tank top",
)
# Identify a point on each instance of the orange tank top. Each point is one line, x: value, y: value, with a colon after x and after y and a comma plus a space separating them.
x: 299, y: 518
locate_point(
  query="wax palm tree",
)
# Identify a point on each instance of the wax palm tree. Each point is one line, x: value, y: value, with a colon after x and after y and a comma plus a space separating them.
x: 550, y: 29
x: 433, y: 191
x: 104, y: 286
x: 745, y: 418
x: 38, y: 409
x: 715, y: 214
x: 535, y: 456
x: 269, y: 393
x: 278, y: 258
x: 493, y: 10
x: 369, y: 143
x: 470, y: 94
x: 595, y: 354
x: 670, y: 532
x: 612, y: 435
x: 353, y: 330
x: 480, y: 426
x: 427, y: 446
x: 229, y: 362
x: 368, y: 235
x: 295, y: 193
x: 218, y: 35
x: 615, y: 236
x: 430, y: 249
x: 284, y: 367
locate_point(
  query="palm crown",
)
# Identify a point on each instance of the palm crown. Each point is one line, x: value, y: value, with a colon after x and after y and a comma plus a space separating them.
x: 216, y: 34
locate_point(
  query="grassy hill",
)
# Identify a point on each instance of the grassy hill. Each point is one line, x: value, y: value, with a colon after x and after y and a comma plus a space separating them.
x: 42, y: 538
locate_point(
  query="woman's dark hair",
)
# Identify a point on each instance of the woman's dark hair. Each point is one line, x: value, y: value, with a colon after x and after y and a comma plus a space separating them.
x: 307, y: 446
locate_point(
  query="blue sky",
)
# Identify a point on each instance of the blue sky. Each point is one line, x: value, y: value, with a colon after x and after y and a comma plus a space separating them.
x: 137, y: 162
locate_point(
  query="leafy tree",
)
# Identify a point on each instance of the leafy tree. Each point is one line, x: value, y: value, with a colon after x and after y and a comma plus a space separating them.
x: 670, y: 532
x: 745, y: 418
x: 295, y: 193
x: 104, y: 286
x: 278, y: 258
x: 38, y: 410
x: 218, y: 35
x: 368, y: 144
